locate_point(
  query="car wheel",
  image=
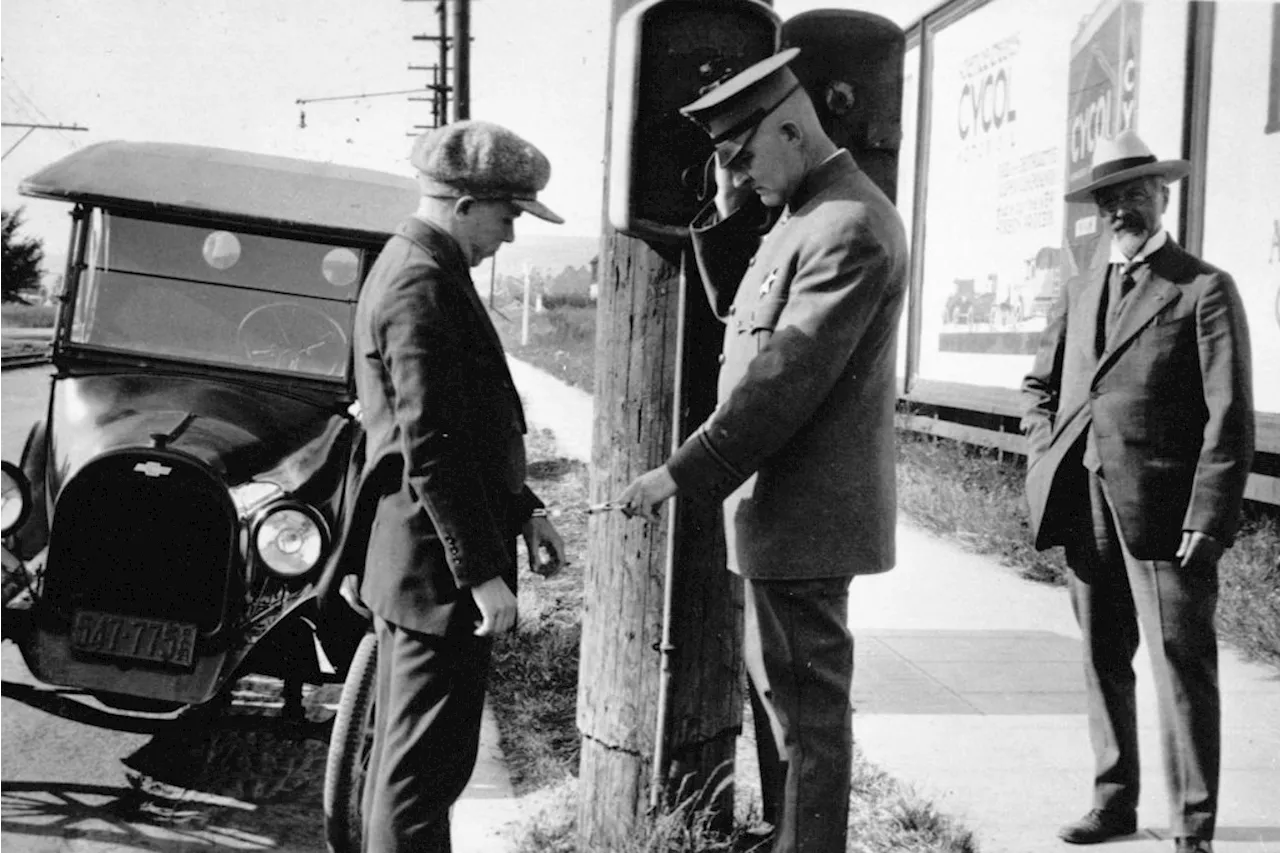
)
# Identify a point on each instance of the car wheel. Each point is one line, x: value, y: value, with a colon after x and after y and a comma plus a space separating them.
x: 349, y: 745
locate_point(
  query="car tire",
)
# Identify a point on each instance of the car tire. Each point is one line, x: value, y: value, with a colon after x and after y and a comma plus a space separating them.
x: 349, y: 745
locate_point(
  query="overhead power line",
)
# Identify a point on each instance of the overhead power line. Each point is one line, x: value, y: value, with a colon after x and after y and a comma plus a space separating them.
x: 302, y: 114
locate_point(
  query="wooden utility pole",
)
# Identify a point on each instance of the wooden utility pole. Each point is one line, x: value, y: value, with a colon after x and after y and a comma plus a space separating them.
x: 461, y: 59
x: 656, y: 365
x: 440, y: 86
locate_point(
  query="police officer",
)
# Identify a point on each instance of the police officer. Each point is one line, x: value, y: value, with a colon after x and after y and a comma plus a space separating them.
x: 801, y: 445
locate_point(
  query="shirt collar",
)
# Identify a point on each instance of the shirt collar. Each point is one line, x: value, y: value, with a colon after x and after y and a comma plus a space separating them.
x: 1154, y: 243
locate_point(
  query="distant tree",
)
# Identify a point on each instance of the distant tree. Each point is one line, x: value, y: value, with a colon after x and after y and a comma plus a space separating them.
x: 22, y: 259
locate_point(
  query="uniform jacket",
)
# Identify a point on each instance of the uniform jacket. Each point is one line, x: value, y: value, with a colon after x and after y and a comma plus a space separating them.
x: 801, y: 442
x: 1168, y: 396
x: 441, y: 495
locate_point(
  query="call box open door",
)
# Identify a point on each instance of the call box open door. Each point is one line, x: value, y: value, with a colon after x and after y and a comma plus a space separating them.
x: 850, y: 63
x: 665, y: 52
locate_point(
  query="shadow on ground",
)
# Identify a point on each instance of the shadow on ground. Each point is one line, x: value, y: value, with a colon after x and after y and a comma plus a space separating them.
x: 228, y: 778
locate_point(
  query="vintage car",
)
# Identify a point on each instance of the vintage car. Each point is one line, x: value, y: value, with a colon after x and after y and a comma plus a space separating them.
x: 167, y: 524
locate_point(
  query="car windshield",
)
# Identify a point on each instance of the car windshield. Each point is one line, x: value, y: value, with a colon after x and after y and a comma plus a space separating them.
x: 214, y: 295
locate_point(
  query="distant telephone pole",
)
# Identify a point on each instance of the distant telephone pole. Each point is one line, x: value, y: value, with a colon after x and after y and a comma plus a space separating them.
x: 460, y: 43
x: 462, y: 60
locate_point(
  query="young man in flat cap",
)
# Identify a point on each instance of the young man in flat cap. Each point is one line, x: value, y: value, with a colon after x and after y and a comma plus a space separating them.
x: 445, y: 467
x: 1140, y: 432
x: 801, y: 446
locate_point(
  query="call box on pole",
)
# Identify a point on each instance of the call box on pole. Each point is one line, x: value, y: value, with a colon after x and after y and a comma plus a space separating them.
x: 850, y: 63
x: 665, y: 53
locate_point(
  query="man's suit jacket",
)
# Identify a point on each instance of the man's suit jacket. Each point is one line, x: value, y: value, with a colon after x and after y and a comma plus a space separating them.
x: 802, y: 442
x: 441, y: 496
x: 1168, y: 396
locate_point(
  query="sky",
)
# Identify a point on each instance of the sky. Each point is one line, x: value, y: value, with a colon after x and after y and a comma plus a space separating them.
x: 227, y: 73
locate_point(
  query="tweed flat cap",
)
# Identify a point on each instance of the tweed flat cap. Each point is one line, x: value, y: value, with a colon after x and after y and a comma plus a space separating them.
x: 485, y: 161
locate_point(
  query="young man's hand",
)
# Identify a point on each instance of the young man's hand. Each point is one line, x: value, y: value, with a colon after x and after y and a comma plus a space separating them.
x: 497, y: 605
x: 540, y: 533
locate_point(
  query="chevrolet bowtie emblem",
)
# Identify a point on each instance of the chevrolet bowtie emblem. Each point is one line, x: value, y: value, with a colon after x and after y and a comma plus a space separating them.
x: 152, y: 468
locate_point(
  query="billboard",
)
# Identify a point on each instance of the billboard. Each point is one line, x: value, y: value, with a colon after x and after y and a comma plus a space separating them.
x: 1020, y: 95
x: 1242, y: 177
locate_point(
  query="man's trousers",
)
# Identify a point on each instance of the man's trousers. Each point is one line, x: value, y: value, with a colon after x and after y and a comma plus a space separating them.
x: 429, y: 699
x: 799, y: 658
x: 1112, y: 592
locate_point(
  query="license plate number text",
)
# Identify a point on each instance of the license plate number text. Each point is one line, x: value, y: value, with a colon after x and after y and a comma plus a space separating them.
x: 134, y: 637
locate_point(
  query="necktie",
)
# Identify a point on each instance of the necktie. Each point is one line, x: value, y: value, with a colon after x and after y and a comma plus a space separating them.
x: 1125, y: 282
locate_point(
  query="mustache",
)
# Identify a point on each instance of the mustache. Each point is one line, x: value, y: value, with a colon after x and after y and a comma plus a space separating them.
x: 1128, y: 222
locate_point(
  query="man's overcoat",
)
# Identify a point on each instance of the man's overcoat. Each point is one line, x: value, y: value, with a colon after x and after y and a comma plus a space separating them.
x: 801, y: 442
x: 1167, y: 394
x: 442, y: 495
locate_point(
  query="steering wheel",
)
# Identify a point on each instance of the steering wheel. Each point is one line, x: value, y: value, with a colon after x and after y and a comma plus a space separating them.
x: 292, y: 336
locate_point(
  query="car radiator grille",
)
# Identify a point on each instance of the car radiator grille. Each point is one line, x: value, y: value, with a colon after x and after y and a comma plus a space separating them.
x: 142, y: 535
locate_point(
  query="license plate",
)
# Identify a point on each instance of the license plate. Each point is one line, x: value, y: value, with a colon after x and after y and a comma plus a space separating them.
x: 134, y: 637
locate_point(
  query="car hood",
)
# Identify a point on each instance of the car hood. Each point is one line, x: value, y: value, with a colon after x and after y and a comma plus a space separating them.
x: 242, y: 433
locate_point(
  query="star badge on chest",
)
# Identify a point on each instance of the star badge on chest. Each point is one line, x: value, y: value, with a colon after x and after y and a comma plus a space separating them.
x: 768, y: 284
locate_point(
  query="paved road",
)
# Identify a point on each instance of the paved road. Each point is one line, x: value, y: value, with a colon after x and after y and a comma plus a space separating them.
x: 238, y: 782
x: 25, y: 395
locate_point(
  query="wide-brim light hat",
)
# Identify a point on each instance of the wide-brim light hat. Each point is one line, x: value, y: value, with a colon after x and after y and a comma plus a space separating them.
x: 1125, y: 157
x: 730, y: 111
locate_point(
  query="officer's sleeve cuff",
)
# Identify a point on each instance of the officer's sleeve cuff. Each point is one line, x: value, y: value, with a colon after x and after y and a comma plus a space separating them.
x: 698, y: 465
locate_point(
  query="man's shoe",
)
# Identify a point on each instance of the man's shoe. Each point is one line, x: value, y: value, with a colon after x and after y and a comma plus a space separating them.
x: 1099, y: 825
x: 1189, y: 844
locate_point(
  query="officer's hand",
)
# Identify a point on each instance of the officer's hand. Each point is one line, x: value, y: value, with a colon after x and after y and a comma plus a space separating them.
x: 540, y: 533
x: 731, y: 194
x: 646, y: 492
x: 497, y: 605
x: 1199, y: 550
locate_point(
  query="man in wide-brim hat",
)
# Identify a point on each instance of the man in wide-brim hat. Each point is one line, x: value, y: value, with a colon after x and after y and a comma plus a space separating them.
x: 1140, y: 437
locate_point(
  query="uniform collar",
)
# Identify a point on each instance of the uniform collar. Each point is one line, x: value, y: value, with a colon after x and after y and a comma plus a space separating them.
x: 819, y: 177
x: 1154, y: 243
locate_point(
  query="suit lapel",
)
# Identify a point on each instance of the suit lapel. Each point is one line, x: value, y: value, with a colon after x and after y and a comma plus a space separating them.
x: 1153, y: 294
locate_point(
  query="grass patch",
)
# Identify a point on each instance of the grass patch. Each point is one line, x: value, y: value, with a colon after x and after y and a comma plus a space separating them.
x: 561, y: 340
x: 963, y: 492
x: 18, y: 316
x: 534, y: 691
x: 968, y: 494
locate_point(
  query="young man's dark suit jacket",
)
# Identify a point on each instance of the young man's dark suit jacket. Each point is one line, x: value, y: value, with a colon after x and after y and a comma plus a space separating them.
x: 1168, y: 394
x: 444, y: 429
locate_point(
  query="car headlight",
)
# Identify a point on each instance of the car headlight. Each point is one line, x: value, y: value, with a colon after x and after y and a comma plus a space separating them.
x: 15, y: 497
x: 290, y: 539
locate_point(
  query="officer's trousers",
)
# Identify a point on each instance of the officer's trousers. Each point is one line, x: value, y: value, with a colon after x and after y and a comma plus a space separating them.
x: 799, y: 657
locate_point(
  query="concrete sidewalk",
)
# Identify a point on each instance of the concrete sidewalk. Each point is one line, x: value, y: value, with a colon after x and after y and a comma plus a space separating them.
x: 968, y: 686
